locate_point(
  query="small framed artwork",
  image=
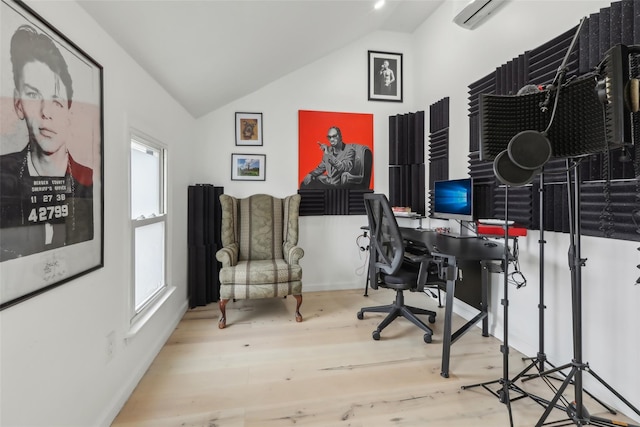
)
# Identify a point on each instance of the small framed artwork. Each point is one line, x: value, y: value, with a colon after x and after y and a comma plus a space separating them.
x: 385, y: 76
x: 248, y: 167
x: 249, y: 129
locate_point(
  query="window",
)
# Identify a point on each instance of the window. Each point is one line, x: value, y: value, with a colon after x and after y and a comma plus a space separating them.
x: 148, y: 219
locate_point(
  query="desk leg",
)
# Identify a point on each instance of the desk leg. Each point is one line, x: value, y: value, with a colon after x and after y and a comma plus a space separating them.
x: 485, y: 298
x: 448, y: 317
x: 366, y: 283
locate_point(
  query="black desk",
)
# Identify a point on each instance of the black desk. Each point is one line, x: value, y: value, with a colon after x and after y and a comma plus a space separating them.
x: 451, y: 250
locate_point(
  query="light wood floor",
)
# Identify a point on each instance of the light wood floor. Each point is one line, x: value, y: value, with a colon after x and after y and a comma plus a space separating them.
x: 266, y: 370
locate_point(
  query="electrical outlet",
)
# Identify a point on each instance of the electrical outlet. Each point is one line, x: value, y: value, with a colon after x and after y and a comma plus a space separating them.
x: 111, y: 345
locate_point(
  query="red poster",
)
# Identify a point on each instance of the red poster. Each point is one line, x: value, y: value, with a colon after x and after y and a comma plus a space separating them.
x: 335, y: 150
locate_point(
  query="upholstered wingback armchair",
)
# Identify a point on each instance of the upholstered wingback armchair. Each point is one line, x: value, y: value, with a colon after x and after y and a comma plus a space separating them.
x: 259, y: 255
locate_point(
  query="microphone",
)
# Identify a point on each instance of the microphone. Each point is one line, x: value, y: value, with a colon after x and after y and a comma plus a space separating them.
x: 531, y: 88
x: 544, y: 105
x: 527, y: 89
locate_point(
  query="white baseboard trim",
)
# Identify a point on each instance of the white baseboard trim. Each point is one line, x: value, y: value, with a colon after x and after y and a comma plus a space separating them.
x: 342, y: 286
x: 117, y: 403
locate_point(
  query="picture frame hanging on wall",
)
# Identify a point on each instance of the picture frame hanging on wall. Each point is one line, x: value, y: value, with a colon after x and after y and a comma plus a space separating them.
x: 51, y: 206
x: 248, y: 167
x: 385, y: 76
x: 327, y: 136
x: 249, y: 129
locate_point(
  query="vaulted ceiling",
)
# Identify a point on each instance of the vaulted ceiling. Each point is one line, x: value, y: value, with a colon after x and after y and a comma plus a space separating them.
x: 207, y: 53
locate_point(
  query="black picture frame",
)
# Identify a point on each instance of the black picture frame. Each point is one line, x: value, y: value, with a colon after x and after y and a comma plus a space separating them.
x: 249, y: 129
x: 384, y: 81
x: 51, y: 221
x: 248, y: 167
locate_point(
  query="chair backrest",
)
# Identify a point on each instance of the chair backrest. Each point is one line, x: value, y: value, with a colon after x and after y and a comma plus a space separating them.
x: 360, y: 174
x: 386, y: 243
x: 260, y: 224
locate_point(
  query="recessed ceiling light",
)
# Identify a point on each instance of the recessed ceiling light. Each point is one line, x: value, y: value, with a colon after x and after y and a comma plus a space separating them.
x: 378, y: 4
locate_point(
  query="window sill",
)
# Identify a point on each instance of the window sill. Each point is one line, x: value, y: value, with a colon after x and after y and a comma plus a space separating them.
x: 142, y: 318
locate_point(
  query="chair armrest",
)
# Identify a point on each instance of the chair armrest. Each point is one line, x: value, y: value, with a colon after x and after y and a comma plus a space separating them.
x: 292, y: 253
x: 427, y: 265
x: 423, y: 272
x: 228, y: 255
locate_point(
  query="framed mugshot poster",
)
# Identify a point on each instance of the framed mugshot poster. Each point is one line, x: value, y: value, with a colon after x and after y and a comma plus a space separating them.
x: 51, y: 157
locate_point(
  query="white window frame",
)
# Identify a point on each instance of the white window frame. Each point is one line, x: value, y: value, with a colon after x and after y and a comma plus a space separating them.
x: 139, y: 315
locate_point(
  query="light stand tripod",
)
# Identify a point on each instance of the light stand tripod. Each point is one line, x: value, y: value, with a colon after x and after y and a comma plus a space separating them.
x: 576, y: 411
x: 524, y: 153
x: 503, y: 393
x: 540, y: 359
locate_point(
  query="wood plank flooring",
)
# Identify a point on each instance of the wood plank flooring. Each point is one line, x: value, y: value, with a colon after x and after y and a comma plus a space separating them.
x: 266, y: 370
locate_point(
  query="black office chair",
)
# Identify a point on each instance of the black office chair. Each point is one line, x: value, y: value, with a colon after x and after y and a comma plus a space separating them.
x: 390, y: 267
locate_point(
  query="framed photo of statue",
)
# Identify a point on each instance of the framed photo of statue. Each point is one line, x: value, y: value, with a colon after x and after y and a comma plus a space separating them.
x: 51, y: 157
x: 385, y: 76
x: 249, y: 129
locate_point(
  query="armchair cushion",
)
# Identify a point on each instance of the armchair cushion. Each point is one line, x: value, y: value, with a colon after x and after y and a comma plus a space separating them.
x: 261, y: 271
x: 261, y: 279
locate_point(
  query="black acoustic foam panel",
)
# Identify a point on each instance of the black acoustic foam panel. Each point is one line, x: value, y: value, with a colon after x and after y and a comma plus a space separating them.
x: 577, y: 128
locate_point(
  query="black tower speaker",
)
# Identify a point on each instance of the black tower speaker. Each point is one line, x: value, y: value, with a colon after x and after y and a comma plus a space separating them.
x: 203, y: 240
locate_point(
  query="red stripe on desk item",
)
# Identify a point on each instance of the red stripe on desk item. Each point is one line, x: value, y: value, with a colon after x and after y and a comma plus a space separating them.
x: 497, y: 230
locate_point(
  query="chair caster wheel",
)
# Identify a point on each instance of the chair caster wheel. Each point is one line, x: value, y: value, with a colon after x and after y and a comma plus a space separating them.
x: 432, y: 319
x: 360, y: 315
x: 427, y: 338
x: 376, y: 335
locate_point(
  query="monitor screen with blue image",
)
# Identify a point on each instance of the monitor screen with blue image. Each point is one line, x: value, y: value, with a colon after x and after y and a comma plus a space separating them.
x: 453, y: 199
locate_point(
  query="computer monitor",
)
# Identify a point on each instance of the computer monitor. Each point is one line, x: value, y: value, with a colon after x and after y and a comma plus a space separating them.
x: 453, y: 199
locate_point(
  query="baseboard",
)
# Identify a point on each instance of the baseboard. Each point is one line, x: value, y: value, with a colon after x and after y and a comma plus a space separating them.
x: 340, y: 286
x: 113, y: 408
x: 468, y: 312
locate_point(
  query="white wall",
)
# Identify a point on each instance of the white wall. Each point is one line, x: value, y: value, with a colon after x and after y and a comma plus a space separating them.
x: 441, y: 60
x: 54, y: 369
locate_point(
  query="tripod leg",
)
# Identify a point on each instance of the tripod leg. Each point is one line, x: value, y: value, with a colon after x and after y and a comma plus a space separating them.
x: 625, y: 401
x: 466, y: 387
x: 553, y: 401
x: 504, y: 398
x: 597, y: 421
x: 524, y: 371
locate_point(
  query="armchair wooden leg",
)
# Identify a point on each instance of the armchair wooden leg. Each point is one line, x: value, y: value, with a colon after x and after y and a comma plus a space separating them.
x: 298, y: 304
x: 223, y: 313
